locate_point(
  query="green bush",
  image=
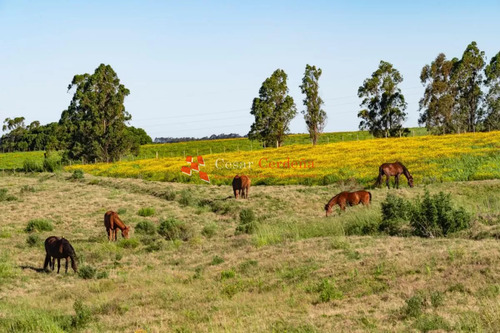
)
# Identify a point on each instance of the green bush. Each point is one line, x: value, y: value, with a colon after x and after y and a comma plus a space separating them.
x: 435, y: 216
x: 6, y: 197
x: 209, y: 230
x: 216, y: 260
x: 414, y: 306
x: 187, y: 198
x: 87, y: 272
x: 395, y: 212
x: 33, y: 240
x: 145, y: 228
x: 327, y: 291
x: 173, y: 229
x: 147, y: 211
x: 83, y: 315
x: 77, y: 174
x: 130, y: 243
x: 39, y: 225
x: 52, y: 162
x: 248, y: 224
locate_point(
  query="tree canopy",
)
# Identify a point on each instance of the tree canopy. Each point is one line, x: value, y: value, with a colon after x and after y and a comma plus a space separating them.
x: 385, y: 105
x: 273, y: 111
x: 314, y: 115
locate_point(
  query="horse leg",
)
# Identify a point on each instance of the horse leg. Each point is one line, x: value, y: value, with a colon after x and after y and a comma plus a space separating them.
x: 109, y: 234
x: 58, y: 265
x: 397, y: 181
x: 66, y: 264
x: 46, y: 262
x: 116, y: 234
x: 53, y: 262
x: 387, y: 179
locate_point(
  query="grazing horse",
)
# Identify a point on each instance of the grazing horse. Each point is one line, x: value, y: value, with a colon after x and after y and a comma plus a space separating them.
x: 348, y: 198
x: 241, y: 185
x: 393, y: 169
x: 112, y: 223
x: 59, y: 248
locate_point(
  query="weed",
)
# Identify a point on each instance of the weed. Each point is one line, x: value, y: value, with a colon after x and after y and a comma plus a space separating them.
x: 247, y: 224
x: 431, y: 322
x: 437, y: 299
x: 414, y: 306
x: 327, y: 291
x: 229, y: 274
x: 28, y: 188
x: 130, y: 243
x: 209, y: 230
x: 33, y: 240
x: 83, y: 315
x: 87, y: 272
x: 145, y: 228
x: 173, y: 229
x: 216, y: 260
x: 6, y: 197
x: 147, y: 211
x: 77, y: 175
x: 39, y: 225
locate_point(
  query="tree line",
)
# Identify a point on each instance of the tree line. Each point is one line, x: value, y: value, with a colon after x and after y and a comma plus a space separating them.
x: 461, y: 95
x: 92, y: 128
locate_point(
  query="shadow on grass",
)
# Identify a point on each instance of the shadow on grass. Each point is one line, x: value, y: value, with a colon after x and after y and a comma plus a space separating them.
x: 36, y: 269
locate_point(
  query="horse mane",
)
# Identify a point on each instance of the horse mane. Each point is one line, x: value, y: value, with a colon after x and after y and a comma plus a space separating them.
x: 333, y: 200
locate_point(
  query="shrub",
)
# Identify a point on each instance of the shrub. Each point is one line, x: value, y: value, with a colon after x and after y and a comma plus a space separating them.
x: 327, y: 291
x: 52, y: 162
x: 6, y: 197
x: 77, y: 174
x: 216, y: 260
x: 33, y: 240
x: 414, y: 306
x: 145, y: 228
x: 247, y: 225
x: 173, y: 229
x: 39, y: 225
x: 130, y: 243
x: 147, y: 211
x: 87, y: 272
x: 83, y: 315
x: 209, y: 230
x: 187, y: 198
x: 435, y: 216
x: 227, y: 274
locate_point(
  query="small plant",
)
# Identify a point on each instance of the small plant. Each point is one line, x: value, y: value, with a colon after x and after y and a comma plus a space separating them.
x: 414, y: 306
x: 77, y: 175
x: 83, y: 315
x: 102, y: 275
x: 216, y: 260
x: 130, y: 243
x: 328, y: 291
x: 209, y: 230
x: 173, y: 229
x: 6, y: 197
x: 437, y: 299
x: 147, y: 211
x: 28, y: 188
x: 187, y: 198
x: 33, y: 240
x: 39, y: 225
x: 229, y: 274
x: 247, y: 225
x: 145, y: 228
x: 87, y: 272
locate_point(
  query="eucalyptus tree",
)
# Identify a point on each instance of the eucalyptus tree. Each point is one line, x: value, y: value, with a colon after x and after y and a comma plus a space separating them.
x: 314, y: 115
x: 492, y: 73
x: 273, y: 110
x: 384, y: 104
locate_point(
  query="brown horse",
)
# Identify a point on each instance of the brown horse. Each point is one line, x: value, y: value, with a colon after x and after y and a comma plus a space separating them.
x: 348, y: 198
x: 112, y: 223
x: 241, y: 185
x: 59, y: 248
x: 393, y: 169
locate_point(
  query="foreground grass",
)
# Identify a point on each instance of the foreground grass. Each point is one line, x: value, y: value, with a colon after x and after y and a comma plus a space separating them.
x: 300, y: 271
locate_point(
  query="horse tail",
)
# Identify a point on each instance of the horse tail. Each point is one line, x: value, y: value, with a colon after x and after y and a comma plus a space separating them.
x: 380, y: 175
x: 370, y: 194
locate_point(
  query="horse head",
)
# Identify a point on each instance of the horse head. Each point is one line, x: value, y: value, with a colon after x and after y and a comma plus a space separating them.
x: 328, y: 210
x: 125, y: 232
x: 410, y: 181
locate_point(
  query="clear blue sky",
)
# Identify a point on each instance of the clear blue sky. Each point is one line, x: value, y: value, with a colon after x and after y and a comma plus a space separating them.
x: 193, y: 67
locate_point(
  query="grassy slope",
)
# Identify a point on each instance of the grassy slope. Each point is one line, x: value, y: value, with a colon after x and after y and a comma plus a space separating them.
x: 280, y: 274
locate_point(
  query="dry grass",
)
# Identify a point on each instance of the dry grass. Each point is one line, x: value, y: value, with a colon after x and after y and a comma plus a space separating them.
x: 273, y: 280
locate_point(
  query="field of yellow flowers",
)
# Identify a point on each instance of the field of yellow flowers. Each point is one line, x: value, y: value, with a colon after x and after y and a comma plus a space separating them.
x: 458, y: 157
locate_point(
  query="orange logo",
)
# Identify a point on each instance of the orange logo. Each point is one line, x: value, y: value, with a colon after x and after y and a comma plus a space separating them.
x: 195, y: 166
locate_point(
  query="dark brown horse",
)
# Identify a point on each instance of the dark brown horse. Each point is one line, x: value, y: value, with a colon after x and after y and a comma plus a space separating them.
x: 112, y: 223
x: 241, y: 185
x: 59, y: 248
x: 393, y: 169
x: 348, y: 198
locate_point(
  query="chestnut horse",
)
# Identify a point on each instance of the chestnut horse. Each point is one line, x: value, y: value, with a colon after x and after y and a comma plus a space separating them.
x: 393, y: 169
x: 58, y: 248
x: 348, y: 198
x: 112, y: 223
x: 241, y: 185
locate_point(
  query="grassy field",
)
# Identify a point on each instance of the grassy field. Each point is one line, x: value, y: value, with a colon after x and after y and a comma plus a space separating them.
x: 459, y: 157
x: 299, y: 271
x: 15, y: 161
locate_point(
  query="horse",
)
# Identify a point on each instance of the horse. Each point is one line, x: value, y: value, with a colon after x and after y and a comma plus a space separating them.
x: 58, y: 248
x: 348, y: 198
x: 393, y: 169
x: 112, y: 223
x: 241, y: 185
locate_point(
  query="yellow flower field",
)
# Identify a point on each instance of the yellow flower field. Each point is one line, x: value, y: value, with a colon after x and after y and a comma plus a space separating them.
x: 429, y: 158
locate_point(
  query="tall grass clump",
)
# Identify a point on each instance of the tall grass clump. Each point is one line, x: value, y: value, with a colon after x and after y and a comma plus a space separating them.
x: 248, y: 223
x: 52, y: 162
x: 146, y: 211
x: 145, y: 228
x: 173, y: 229
x: 6, y: 197
x: 31, y: 165
x: 39, y: 225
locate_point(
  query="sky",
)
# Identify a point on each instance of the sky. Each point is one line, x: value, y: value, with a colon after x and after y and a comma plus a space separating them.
x: 194, y: 67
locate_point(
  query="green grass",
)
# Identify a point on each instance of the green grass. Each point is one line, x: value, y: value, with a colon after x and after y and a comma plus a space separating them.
x: 15, y: 161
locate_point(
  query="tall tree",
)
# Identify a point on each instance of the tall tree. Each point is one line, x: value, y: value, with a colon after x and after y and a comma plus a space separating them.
x: 467, y: 78
x: 438, y: 104
x: 314, y: 115
x: 95, y: 119
x: 492, y: 73
x: 385, y: 105
x: 273, y: 111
